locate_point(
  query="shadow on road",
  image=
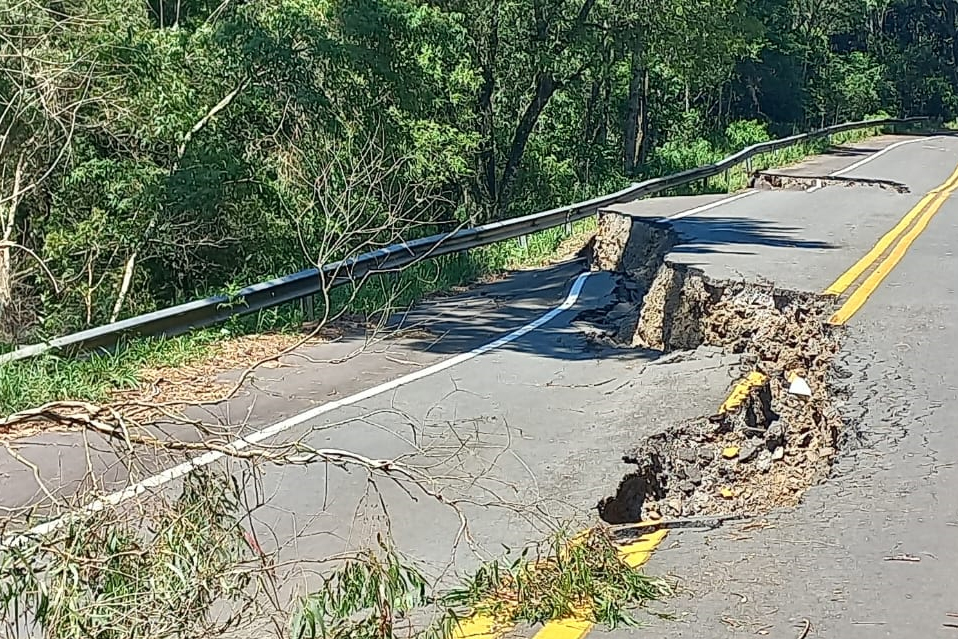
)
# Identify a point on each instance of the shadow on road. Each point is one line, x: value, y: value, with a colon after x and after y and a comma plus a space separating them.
x: 733, y: 235
x: 490, y: 311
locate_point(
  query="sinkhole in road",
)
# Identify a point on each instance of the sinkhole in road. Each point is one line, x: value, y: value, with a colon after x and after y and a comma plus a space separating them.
x: 760, y: 454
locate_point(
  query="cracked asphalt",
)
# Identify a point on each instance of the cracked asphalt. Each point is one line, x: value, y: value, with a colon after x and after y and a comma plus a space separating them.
x: 532, y: 432
x: 873, y: 551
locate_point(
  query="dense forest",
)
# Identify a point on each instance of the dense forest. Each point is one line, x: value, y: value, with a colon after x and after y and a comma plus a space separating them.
x: 154, y: 150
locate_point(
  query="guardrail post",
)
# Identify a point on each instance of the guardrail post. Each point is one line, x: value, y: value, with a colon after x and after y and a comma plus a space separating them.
x: 748, y: 166
x: 309, y: 309
x: 524, y: 242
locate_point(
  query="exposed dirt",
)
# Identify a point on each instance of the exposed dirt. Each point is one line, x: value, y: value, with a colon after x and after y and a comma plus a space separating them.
x: 770, y: 448
x: 766, y: 180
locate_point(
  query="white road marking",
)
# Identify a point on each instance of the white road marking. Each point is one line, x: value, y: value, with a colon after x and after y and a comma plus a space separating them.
x: 713, y: 205
x: 270, y: 431
x: 875, y: 156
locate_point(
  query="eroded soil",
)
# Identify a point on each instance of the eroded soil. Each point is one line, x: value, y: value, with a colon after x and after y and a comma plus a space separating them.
x: 766, y: 449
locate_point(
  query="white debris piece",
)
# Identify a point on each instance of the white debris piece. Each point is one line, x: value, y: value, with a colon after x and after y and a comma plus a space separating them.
x: 799, y: 387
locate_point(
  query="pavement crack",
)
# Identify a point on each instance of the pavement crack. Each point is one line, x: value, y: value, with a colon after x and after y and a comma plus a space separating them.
x: 769, y: 180
x: 775, y: 442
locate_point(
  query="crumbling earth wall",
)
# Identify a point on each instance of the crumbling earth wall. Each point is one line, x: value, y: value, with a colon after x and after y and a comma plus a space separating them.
x: 768, y: 448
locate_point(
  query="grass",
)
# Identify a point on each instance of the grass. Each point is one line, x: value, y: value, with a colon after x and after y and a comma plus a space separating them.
x: 39, y: 380
x: 48, y: 378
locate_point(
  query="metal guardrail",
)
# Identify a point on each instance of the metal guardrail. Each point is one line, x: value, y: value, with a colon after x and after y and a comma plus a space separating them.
x: 183, y: 318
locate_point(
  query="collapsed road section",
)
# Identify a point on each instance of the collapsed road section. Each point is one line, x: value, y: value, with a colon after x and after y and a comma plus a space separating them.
x: 768, y: 180
x: 778, y: 433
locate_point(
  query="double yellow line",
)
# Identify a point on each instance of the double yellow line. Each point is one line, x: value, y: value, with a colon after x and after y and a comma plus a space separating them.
x: 914, y: 222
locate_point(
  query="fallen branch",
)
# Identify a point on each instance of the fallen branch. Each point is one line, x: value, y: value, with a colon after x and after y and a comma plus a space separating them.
x: 704, y: 521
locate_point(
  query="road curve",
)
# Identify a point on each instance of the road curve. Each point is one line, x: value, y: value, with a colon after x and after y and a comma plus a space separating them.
x: 511, y: 402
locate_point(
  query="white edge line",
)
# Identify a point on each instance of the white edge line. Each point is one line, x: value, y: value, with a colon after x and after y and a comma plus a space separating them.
x: 270, y: 431
x: 712, y: 205
x: 875, y: 156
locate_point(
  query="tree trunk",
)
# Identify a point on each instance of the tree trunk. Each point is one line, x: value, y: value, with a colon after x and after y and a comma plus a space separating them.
x: 590, y: 118
x: 546, y: 85
x: 488, y: 183
x: 6, y: 282
x: 951, y: 25
x: 545, y: 88
x: 488, y: 154
x: 124, y: 287
x: 633, y: 114
x: 602, y: 132
x: 9, y: 222
x: 645, y: 138
x: 590, y: 127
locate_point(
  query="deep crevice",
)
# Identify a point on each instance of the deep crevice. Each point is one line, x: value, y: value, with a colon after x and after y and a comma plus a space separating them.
x: 768, y: 450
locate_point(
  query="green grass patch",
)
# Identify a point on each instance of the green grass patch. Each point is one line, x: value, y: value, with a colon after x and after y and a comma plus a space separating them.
x: 36, y: 381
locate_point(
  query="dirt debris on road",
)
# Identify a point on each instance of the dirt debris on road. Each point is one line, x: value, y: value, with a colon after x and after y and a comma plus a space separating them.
x: 766, y: 451
x: 769, y: 181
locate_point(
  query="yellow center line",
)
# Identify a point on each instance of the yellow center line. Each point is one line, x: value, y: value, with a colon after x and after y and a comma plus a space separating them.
x: 481, y: 626
x: 634, y: 555
x: 640, y: 551
x: 858, y: 298
x: 741, y: 390
x: 489, y: 626
x: 848, y: 277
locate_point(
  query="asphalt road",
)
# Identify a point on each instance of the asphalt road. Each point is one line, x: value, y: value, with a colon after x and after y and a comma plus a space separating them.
x: 525, y: 433
x: 872, y: 551
x: 835, y: 564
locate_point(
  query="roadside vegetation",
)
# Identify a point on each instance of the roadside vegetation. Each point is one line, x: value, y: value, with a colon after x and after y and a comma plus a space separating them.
x: 155, y: 152
x: 190, y: 567
x: 53, y: 377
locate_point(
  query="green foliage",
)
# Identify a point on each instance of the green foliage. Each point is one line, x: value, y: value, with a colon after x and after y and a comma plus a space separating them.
x: 105, y: 576
x: 380, y: 594
x: 363, y: 599
x: 37, y: 381
x: 563, y: 578
x: 185, y: 567
x: 167, y: 150
x: 745, y: 133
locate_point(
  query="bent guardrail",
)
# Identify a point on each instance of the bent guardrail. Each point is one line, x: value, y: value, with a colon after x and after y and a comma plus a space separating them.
x: 183, y: 318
